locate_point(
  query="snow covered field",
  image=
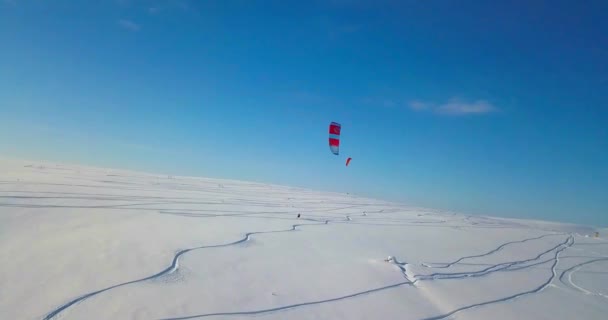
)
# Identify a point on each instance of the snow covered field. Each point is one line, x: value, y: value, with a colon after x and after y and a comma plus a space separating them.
x: 89, y: 243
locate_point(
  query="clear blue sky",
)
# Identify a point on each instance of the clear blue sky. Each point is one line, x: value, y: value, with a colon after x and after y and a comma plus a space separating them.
x: 484, y: 107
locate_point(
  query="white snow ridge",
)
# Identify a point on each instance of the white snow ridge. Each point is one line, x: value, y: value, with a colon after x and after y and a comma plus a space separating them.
x: 87, y: 243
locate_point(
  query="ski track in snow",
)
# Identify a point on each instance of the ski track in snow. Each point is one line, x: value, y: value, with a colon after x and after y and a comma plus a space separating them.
x: 572, y: 270
x: 506, y: 266
x: 402, y: 266
x: 292, y: 306
x: 502, y: 246
x: 490, y: 269
x: 170, y: 269
x: 540, y: 288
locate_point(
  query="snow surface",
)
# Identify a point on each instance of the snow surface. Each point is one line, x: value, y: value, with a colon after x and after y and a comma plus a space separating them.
x: 79, y: 242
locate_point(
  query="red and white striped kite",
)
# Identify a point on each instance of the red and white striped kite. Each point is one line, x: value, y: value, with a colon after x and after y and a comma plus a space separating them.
x: 334, y: 137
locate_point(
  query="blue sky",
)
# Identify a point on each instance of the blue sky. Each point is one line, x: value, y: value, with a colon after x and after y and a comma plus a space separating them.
x: 483, y: 107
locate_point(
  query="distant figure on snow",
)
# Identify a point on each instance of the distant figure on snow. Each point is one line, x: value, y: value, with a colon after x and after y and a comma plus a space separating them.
x: 298, y: 216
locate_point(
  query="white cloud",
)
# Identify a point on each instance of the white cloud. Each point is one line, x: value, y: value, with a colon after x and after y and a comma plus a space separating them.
x: 418, y: 105
x: 455, y: 107
x: 129, y: 25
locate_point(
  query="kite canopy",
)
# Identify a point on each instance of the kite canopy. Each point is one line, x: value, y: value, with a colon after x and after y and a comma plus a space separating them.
x: 334, y: 137
x: 348, y: 161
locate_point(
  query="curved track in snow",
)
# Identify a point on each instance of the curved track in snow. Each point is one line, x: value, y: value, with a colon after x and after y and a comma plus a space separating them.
x: 572, y: 270
x: 292, y: 306
x: 410, y: 280
x: 557, y: 251
x: 170, y: 269
x: 540, y: 288
x: 502, y: 246
x: 492, y: 268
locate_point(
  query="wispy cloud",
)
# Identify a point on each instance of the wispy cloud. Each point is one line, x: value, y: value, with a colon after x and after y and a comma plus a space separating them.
x: 454, y: 107
x: 153, y: 10
x: 418, y: 105
x: 129, y: 25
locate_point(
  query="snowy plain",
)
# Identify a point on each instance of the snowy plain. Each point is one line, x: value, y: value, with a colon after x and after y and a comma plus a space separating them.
x: 80, y: 242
